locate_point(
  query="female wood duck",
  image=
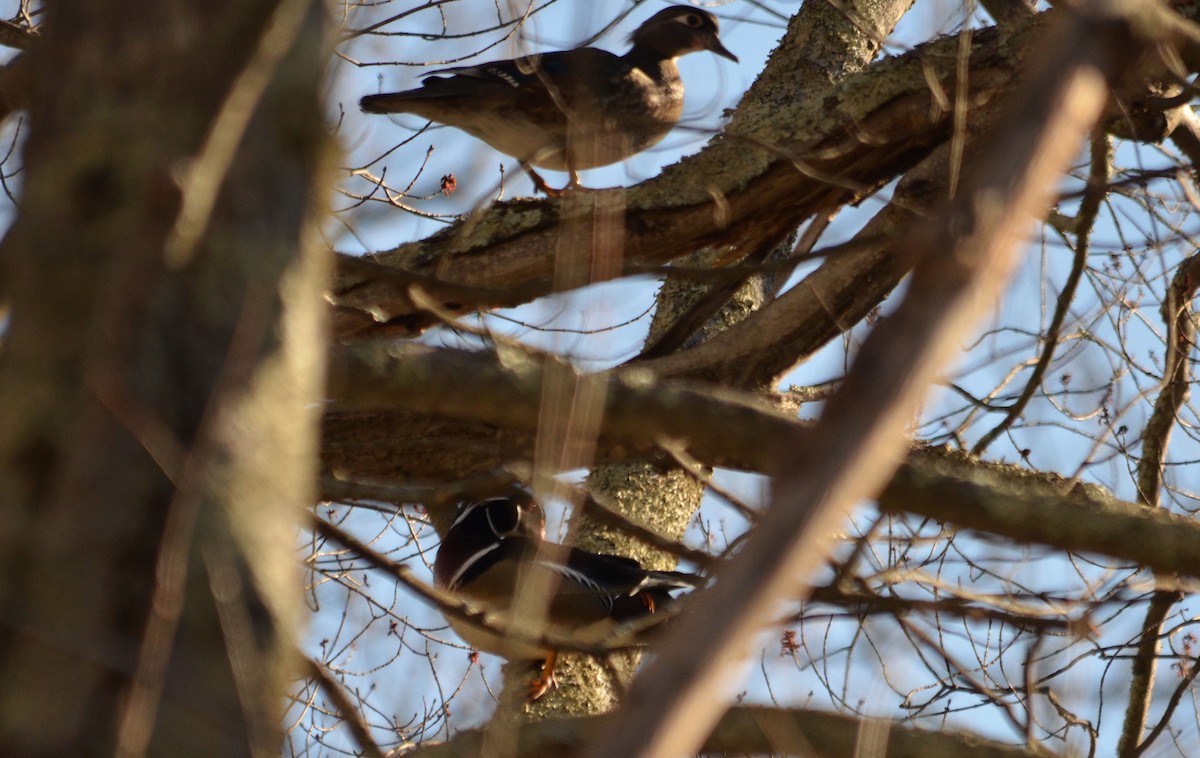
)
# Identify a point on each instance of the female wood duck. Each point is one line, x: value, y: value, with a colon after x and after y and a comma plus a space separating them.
x: 573, y: 109
x: 496, y: 544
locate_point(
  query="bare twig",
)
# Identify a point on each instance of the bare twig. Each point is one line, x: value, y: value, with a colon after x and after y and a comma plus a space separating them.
x: 1092, y: 197
x: 341, y: 701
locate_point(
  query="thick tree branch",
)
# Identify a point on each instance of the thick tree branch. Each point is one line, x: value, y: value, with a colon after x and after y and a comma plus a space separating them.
x: 639, y: 409
x: 726, y: 428
x: 1041, y: 508
x: 16, y: 36
x: 755, y: 731
x: 826, y: 303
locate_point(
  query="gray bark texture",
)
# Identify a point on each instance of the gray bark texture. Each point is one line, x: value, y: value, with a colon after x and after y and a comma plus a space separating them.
x: 157, y: 381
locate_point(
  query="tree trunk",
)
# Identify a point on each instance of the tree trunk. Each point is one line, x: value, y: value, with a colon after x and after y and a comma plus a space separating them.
x: 157, y: 387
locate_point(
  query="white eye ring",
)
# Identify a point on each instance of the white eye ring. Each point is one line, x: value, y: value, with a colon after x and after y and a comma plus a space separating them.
x: 693, y: 21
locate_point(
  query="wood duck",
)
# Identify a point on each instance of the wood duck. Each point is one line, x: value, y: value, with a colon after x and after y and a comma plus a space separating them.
x: 496, y: 544
x: 569, y: 110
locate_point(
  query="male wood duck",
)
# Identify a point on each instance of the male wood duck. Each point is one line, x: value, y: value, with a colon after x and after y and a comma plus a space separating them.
x: 496, y: 544
x: 569, y: 110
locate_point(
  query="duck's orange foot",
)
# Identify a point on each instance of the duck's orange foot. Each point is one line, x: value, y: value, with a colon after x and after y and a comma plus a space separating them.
x: 544, y: 681
x: 539, y: 184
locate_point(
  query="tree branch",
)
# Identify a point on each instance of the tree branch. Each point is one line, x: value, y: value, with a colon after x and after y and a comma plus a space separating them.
x: 1041, y: 508
x: 753, y: 730
x: 16, y: 36
x: 639, y: 409
x: 728, y: 428
x: 344, y: 706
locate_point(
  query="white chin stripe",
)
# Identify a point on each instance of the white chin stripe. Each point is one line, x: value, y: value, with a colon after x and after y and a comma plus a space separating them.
x: 472, y: 506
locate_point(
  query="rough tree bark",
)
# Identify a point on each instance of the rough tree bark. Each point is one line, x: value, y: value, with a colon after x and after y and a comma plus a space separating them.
x: 157, y: 382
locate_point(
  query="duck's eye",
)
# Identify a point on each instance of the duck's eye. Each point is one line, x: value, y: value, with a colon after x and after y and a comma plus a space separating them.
x: 693, y: 21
